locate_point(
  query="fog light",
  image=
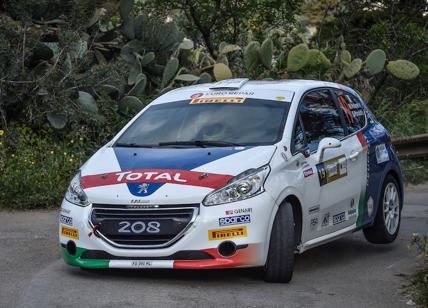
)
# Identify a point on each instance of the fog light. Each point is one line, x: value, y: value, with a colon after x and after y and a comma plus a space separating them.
x: 71, y: 248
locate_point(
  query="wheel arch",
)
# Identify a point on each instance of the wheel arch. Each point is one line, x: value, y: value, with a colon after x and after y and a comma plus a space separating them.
x: 297, y: 215
x: 398, y: 178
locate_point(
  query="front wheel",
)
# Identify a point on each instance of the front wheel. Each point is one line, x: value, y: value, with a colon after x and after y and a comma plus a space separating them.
x: 280, y: 260
x: 387, y: 221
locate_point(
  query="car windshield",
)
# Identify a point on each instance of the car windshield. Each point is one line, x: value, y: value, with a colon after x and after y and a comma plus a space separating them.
x: 239, y: 121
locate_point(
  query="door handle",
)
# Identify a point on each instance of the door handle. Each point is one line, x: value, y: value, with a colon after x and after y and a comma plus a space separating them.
x: 354, y: 155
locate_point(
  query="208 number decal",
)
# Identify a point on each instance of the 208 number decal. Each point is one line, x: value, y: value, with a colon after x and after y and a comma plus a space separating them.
x: 139, y: 227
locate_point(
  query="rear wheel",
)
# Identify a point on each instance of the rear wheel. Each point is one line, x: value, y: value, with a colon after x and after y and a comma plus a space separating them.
x: 387, y: 222
x: 280, y: 260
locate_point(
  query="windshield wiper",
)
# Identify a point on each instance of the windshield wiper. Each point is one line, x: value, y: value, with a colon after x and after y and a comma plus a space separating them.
x: 200, y: 143
x: 133, y: 145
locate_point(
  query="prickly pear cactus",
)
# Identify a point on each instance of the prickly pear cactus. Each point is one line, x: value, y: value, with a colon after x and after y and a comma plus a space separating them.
x: 346, y: 56
x: 266, y: 51
x: 353, y: 68
x: 169, y: 71
x: 297, y: 57
x: 317, y: 59
x: 403, y: 69
x: 222, y: 71
x: 128, y: 27
x: 375, y: 62
x: 251, y: 55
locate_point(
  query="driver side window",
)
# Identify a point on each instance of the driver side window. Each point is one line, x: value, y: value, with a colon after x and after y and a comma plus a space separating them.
x: 320, y: 118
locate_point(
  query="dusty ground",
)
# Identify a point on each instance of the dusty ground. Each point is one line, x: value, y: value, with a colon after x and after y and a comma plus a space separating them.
x: 346, y: 273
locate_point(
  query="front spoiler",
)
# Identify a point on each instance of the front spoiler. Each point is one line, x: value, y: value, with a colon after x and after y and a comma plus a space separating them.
x: 245, y: 257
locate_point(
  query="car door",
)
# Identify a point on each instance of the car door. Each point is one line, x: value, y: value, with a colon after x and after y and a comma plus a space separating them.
x: 355, y: 121
x: 329, y: 184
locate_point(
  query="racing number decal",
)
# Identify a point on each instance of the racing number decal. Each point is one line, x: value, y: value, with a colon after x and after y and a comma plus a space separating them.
x: 332, y: 170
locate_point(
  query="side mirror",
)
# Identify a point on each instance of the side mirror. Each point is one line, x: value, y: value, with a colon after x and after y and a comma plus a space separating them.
x: 326, y: 143
x: 306, y: 152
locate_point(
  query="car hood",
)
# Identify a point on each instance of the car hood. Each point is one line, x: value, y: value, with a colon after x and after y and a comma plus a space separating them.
x: 116, y: 175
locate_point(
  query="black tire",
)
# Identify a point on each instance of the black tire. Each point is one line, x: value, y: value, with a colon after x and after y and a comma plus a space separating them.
x: 280, y: 260
x: 378, y: 233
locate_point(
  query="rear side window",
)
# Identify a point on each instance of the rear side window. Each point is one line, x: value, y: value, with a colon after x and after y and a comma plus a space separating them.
x: 353, y: 111
x: 320, y: 118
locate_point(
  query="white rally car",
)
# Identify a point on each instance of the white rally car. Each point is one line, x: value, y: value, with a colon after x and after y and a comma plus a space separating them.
x: 234, y: 174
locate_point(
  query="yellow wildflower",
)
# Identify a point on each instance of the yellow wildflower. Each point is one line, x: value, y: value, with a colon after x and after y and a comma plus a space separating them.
x: 71, y: 160
x: 81, y: 138
x: 1, y: 132
x: 65, y: 153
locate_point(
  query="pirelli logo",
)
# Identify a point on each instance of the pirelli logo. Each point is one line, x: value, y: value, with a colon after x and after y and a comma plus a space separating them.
x: 70, y: 232
x: 214, y: 100
x: 226, y: 233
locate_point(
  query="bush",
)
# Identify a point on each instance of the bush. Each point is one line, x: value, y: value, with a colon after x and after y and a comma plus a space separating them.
x: 418, y: 288
x: 35, y: 169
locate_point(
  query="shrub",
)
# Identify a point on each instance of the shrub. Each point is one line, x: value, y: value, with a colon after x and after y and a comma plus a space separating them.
x: 418, y: 288
x: 35, y: 169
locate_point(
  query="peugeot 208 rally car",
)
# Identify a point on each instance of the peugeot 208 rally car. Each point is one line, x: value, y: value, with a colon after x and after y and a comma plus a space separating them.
x: 234, y: 174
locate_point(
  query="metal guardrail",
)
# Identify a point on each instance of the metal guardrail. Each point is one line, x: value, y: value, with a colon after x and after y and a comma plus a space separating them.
x: 412, y: 146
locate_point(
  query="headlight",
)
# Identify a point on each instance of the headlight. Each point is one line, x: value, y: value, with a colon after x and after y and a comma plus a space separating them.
x: 246, y: 185
x: 75, y: 193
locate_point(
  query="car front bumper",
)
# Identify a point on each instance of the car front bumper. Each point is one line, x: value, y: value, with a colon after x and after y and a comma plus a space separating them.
x: 80, y: 246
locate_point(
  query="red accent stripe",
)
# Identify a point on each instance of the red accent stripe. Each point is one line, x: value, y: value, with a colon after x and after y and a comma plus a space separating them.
x: 243, y: 257
x: 172, y: 176
x: 362, y: 140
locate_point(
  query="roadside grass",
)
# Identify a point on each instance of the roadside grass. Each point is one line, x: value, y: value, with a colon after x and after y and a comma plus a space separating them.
x: 417, y: 288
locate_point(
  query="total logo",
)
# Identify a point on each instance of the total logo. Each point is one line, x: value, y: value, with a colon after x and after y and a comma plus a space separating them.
x: 239, y: 211
x: 149, y: 175
x: 234, y: 220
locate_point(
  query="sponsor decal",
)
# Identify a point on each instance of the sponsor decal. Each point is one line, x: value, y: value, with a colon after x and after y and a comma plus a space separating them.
x: 280, y: 98
x: 314, y: 223
x: 352, y: 209
x: 352, y: 212
x: 381, y: 153
x: 138, y: 201
x: 234, y: 220
x: 338, y: 218
x: 314, y: 209
x: 239, y: 211
x: 214, y: 100
x: 70, y: 232
x: 308, y: 172
x: 196, y: 95
x: 230, y: 93
x: 226, y: 233
x: 66, y: 220
x: 145, y: 176
x: 326, y: 220
x: 370, y: 206
x: 332, y: 170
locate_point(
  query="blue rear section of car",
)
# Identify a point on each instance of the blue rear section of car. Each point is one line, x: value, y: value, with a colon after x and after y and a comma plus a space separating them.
x: 375, y: 135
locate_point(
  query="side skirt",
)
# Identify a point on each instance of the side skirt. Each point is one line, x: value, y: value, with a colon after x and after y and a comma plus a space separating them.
x: 326, y: 238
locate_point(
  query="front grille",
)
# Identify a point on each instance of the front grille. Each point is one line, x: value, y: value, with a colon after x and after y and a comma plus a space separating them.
x: 182, y: 217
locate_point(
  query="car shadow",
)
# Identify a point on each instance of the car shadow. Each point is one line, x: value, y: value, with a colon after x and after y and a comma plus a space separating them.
x: 344, y: 252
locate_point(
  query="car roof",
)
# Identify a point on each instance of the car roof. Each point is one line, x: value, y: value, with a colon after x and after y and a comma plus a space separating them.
x: 241, y: 86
